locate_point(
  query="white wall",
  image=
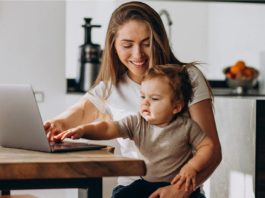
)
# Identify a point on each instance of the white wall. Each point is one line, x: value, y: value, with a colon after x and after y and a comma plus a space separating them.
x: 32, y: 43
x: 189, y: 29
x: 236, y: 33
x: 184, y: 40
x: 100, y: 12
x: 217, y: 34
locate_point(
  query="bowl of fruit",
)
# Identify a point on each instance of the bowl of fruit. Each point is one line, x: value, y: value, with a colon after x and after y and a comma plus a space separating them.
x: 241, y: 77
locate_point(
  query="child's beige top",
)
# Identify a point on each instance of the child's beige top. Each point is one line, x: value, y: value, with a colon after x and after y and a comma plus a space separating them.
x: 165, y: 150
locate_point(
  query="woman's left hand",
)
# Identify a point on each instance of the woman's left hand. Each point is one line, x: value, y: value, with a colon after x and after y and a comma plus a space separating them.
x: 171, y: 191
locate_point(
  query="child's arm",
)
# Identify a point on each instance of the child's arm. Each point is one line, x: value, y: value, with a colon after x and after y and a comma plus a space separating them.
x: 197, y: 163
x: 103, y: 130
x: 187, y: 176
x: 203, y: 154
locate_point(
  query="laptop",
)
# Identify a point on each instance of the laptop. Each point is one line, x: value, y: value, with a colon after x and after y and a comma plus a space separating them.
x: 21, y: 125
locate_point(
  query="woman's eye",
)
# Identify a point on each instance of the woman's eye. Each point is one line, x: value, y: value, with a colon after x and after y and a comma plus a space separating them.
x: 126, y: 45
x: 143, y: 97
x: 146, y: 44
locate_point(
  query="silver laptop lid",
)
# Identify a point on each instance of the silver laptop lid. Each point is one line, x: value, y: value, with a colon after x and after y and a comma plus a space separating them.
x: 21, y: 125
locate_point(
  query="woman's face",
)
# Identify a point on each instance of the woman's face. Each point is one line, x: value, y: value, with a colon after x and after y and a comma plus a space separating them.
x: 132, y: 45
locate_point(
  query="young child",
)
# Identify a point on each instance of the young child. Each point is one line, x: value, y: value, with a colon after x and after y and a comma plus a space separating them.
x: 172, y: 145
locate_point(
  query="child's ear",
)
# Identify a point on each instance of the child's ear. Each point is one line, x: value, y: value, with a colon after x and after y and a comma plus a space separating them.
x: 178, y: 106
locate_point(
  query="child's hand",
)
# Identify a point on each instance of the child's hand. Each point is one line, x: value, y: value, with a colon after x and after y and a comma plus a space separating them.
x: 187, y: 176
x: 73, y: 133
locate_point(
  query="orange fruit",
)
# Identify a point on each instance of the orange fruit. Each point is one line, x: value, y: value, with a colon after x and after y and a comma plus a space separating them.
x: 238, y: 67
x: 230, y: 75
x: 248, y: 72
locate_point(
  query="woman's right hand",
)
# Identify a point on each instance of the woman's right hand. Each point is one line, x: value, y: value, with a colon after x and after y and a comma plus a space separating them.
x: 171, y: 191
x: 52, y: 128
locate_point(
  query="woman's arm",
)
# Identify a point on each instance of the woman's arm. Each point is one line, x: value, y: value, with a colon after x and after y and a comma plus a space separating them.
x: 202, y: 113
x: 80, y: 113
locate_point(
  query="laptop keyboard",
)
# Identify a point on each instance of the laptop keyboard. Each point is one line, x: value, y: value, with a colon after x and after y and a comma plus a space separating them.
x: 67, y: 146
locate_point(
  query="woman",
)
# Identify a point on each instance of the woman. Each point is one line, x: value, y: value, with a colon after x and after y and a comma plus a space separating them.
x: 136, y: 39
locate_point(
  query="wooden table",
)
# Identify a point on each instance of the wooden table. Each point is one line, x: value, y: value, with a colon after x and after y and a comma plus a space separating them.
x: 23, y: 169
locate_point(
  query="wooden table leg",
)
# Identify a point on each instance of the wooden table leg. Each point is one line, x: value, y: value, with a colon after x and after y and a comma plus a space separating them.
x: 4, y: 192
x: 94, y: 189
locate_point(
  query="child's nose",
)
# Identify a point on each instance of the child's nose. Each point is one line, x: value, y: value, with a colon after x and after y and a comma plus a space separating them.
x: 145, y: 101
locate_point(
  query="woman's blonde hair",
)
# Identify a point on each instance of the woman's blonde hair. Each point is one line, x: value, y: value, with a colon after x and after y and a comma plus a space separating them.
x: 112, y: 70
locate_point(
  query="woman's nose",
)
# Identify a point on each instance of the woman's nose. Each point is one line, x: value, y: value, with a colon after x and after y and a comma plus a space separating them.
x: 138, y: 52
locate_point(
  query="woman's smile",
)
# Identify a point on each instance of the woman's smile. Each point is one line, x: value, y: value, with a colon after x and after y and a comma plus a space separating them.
x: 139, y: 64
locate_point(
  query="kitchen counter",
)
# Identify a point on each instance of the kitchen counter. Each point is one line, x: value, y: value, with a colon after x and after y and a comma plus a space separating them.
x: 220, y: 88
x: 231, y: 92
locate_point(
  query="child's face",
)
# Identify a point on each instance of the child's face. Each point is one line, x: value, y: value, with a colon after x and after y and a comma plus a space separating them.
x: 157, y: 104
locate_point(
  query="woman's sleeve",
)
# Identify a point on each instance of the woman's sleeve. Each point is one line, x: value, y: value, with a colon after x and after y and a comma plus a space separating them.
x: 201, y: 91
x: 95, y: 96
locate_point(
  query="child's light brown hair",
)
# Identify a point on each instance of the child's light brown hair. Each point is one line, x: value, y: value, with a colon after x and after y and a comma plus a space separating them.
x: 179, y: 81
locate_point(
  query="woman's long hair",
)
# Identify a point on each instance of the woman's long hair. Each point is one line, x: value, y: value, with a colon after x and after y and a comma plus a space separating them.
x: 112, y: 70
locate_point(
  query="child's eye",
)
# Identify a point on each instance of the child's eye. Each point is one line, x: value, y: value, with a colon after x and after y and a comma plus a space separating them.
x: 155, y: 99
x: 143, y: 97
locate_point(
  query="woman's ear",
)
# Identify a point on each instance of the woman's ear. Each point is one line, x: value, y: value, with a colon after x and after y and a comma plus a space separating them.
x: 178, y: 106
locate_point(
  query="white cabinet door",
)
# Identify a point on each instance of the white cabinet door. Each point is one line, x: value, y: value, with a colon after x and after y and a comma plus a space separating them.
x: 236, y: 124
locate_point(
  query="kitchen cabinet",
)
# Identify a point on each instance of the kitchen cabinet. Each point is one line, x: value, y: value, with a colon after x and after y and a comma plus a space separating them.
x: 240, y: 124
